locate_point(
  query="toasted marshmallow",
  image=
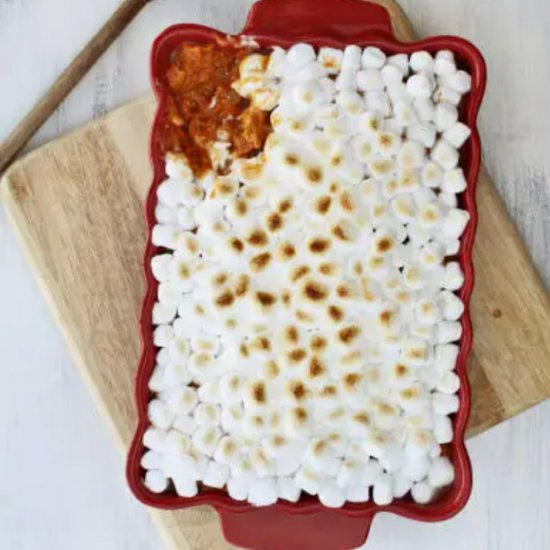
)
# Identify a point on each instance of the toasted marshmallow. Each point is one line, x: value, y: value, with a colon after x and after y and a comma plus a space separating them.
x: 432, y: 175
x: 431, y: 255
x: 411, y: 155
x: 457, y: 134
x: 330, y: 59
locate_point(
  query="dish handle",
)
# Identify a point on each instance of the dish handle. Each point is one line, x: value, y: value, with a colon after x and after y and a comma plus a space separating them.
x: 272, y: 528
x: 342, y: 19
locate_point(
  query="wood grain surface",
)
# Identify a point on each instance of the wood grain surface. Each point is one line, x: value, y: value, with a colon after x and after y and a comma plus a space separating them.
x: 77, y: 207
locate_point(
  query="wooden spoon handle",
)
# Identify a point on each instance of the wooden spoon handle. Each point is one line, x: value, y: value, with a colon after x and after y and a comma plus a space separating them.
x: 70, y: 77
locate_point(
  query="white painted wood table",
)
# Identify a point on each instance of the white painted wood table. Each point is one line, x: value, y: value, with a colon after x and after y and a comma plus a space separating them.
x: 61, y: 476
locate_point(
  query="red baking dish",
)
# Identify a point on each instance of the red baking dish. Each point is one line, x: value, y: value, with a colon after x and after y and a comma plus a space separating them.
x: 308, y: 524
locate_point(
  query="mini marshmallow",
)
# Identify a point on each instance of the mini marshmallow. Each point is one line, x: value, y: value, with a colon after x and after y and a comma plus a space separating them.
x: 453, y: 278
x: 351, y: 102
x: 441, y: 473
x: 457, y: 134
x: 401, y: 61
x: 370, y: 80
x: 373, y: 58
x: 445, y: 356
x: 357, y: 493
x: 378, y: 102
x: 444, y: 403
x: 151, y: 461
x: 215, y: 475
x: 422, y: 132
x: 287, y: 489
x: 444, y: 63
x: 351, y: 59
x: 154, y: 439
x: 445, y: 155
x: 448, y: 331
x: 425, y: 109
x: 262, y: 492
x: 401, y: 485
x: 165, y: 215
x: 156, y: 382
x: 453, y: 306
x: 182, y: 400
x: 454, y: 181
x: 422, y: 61
x: 460, y: 81
x: 391, y: 75
x: 165, y: 236
x: 176, y: 443
x: 159, y: 414
x: 446, y: 94
x: 446, y: 115
x: 330, y: 59
x: 156, y: 481
x: 300, y: 55
x: 207, y: 414
x: 416, y: 468
x: 185, y: 424
x: 308, y: 480
x: 186, y: 487
x: 448, y: 382
x: 383, y: 490
x: 163, y: 313
x: 422, y: 492
x: 420, y: 85
x: 331, y: 495
x: 443, y: 428
x: 448, y: 200
x: 411, y: 155
x: 346, y: 80
x: 237, y: 487
x: 160, y: 266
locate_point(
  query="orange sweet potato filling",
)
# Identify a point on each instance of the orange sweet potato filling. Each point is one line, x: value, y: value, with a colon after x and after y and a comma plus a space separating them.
x: 203, y: 108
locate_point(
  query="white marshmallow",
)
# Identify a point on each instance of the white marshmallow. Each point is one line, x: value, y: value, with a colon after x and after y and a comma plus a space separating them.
x: 443, y: 429
x: 378, y: 101
x: 182, y: 400
x: 352, y: 58
x: 373, y: 58
x: 180, y: 466
x: 448, y: 331
x: 237, y: 487
x: 460, y: 81
x: 453, y: 306
x: 156, y: 481
x: 331, y: 495
x: 159, y: 414
x: 401, y: 61
x: 357, y: 493
x: 370, y: 80
x: 444, y: 63
x: 445, y: 356
x: 445, y: 155
x: 420, y: 85
x: 425, y: 109
x: 346, y: 80
x: 300, y: 55
x: 453, y: 278
x: 151, y: 461
x: 455, y: 223
x: 185, y: 424
x: 177, y: 167
x: 262, y: 492
x: 422, y: 492
x: 441, y: 473
x: 383, y: 490
x: 444, y: 403
x: 215, y: 475
x: 391, y: 74
x: 416, y: 468
x: 163, y: 313
x: 154, y: 439
x: 308, y: 480
x: 165, y: 214
x: 457, y: 134
x: 176, y: 443
x: 186, y: 487
x: 452, y: 247
x: 401, y: 485
x: 287, y: 489
x: 422, y: 132
x: 448, y: 382
x: 165, y: 236
x: 422, y: 61
x: 454, y: 181
x: 432, y: 175
x: 446, y: 94
x: 446, y: 115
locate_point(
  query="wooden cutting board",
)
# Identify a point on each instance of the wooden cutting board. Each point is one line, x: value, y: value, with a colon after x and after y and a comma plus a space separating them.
x: 77, y: 206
